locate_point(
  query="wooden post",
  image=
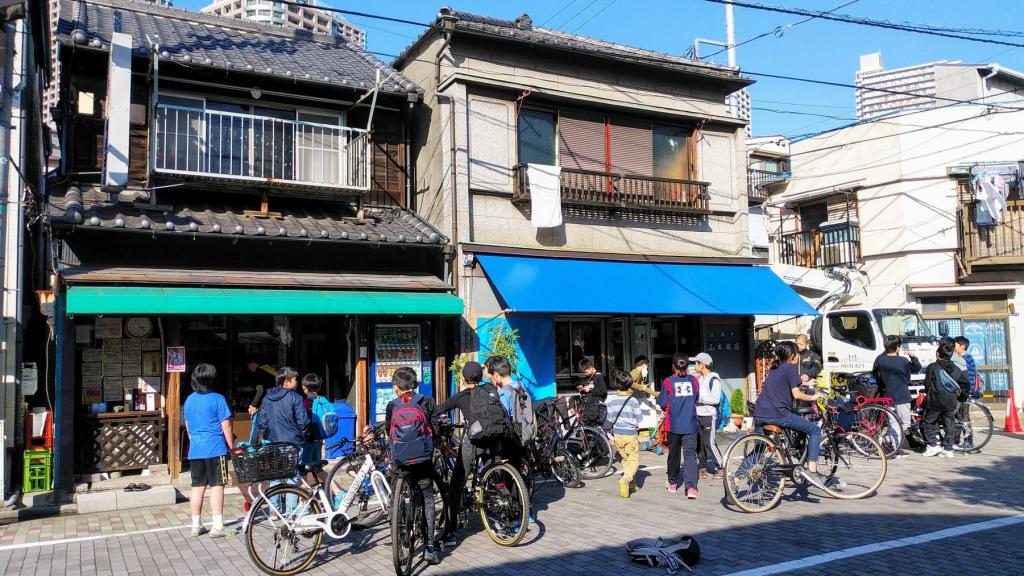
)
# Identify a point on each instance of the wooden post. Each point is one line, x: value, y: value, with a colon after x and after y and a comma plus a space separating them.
x: 173, y: 423
x: 440, y: 379
x: 362, y: 392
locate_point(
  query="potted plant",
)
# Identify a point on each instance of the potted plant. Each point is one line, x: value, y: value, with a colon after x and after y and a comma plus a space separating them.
x: 738, y: 407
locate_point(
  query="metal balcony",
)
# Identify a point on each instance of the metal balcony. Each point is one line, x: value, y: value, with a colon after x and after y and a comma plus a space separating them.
x: 829, y: 246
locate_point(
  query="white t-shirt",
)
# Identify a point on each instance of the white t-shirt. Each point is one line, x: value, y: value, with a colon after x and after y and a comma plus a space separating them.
x: 710, y: 394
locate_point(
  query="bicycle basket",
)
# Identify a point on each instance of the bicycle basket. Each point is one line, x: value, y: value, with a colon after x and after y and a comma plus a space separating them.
x: 842, y: 413
x: 268, y: 462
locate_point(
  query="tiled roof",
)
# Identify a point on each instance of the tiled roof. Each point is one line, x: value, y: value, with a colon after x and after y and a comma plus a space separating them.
x: 522, y: 29
x: 88, y: 207
x: 206, y: 40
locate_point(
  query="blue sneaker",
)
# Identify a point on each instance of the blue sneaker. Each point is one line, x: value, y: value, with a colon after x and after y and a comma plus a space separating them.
x: 533, y: 518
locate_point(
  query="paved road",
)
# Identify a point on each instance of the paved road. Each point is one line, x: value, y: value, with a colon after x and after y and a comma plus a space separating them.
x: 928, y: 518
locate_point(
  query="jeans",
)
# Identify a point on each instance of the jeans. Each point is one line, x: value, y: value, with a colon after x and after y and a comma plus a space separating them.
x: 800, y: 424
x: 290, y: 500
x: 687, y: 444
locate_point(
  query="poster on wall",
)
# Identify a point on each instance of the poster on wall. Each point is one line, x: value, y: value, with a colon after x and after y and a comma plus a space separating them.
x: 83, y: 334
x: 112, y: 389
x: 92, y: 388
x: 151, y: 364
x: 92, y: 355
x: 108, y: 328
x: 129, y: 346
x: 176, y: 359
x: 149, y: 384
x: 384, y: 396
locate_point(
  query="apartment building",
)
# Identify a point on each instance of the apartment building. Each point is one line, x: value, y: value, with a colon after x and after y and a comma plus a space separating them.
x: 307, y: 17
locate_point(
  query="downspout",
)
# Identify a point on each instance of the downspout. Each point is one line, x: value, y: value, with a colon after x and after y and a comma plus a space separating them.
x: 992, y: 71
x: 153, y: 99
x: 454, y: 193
x: 410, y: 164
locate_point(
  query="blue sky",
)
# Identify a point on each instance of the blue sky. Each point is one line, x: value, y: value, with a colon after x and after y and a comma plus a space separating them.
x: 817, y: 49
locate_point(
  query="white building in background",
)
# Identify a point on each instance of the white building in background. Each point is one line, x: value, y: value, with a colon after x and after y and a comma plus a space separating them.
x: 981, y: 83
x: 289, y: 15
x: 897, y: 201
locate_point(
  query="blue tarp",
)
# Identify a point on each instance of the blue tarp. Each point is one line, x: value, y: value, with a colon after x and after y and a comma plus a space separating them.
x: 564, y: 286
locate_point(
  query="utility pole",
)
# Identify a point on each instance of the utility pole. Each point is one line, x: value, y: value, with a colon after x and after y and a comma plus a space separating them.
x: 730, y: 36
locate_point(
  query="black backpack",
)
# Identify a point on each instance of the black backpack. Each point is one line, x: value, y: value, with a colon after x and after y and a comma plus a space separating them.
x: 594, y: 411
x: 487, y: 418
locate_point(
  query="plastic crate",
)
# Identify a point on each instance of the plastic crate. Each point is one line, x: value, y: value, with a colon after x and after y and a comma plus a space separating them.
x: 38, y: 469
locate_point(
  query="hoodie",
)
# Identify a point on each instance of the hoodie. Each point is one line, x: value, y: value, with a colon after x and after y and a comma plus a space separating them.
x: 936, y: 397
x: 710, y: 394
x: 283, y: 417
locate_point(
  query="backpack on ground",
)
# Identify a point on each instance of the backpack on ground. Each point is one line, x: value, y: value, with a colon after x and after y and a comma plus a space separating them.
x: 724, y: 410
x: 325, y: 419
x: 670, y: 553
x: 410, y: 437
x: 522, y: 415
x: 947, y: 383
x: 487, y: 417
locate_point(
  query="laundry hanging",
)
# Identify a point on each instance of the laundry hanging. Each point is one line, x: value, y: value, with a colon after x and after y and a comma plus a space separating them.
x: 545, y: 195
x: 990, y: 192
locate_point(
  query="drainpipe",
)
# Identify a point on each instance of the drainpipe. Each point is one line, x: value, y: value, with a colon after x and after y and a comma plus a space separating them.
x: 410, y: 164
x: 992, y: 71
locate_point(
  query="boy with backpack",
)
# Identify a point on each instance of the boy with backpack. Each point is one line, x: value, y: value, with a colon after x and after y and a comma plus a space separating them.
x: 709, y: 459
x: 624, y: 422
x: 678, y: 398
x: 410, y: 437
x: 943, y: 383
x: 519, y: 406
x: 322, y: 424
x: 472, y: 375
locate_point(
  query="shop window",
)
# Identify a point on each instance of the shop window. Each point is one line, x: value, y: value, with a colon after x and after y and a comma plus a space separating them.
x: 950, y: 327
x: 536, y: 133
x: 852, y: 328
x: 812, y: 215
x: 938, y: 305
x: 983, y: 306
x: 574, y: 341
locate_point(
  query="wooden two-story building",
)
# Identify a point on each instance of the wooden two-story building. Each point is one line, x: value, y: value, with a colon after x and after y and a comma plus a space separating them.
x: 227, y: 192
x: 596, y: 194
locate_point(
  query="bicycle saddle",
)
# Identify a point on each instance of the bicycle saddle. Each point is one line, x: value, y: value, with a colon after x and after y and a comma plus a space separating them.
x: 312, y: 467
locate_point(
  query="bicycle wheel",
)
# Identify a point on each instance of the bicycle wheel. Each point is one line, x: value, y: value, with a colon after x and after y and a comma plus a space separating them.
x: 367, y: 509
x: 503, y: 503
x: 974, y: 429
x: 565, y: 469
x: 275, y: 544
x: 403, y: 526
x: 881, y: 423
x: 754, y: 479
x: 592, y: 450
x: 854, y: 465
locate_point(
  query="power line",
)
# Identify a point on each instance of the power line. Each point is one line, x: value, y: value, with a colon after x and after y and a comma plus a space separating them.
x: 560, y: 10
x: 574, y: 16
x: 918, y: 29
x: 596, y: 14
x: 778, y: 31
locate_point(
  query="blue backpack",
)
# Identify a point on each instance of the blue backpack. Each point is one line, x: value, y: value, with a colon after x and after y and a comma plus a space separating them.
x: 410, y: 437
x: 325, y: 418
x: 724, y: 410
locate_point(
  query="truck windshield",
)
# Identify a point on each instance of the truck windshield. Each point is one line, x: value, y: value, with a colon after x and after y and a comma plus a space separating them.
x: 903, y: 322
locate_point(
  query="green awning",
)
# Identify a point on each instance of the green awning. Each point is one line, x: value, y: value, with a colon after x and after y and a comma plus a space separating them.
x: 151, y: 300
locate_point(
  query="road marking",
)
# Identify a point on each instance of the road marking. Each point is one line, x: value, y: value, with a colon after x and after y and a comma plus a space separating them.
x: 809, y: 561
x: 88, y: 538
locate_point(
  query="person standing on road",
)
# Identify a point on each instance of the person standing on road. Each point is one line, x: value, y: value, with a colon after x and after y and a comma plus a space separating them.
x: 472, y: 375
x: 624, y: 421
x: 892, y: 370
x: 641, y: 368
x: 940, y: 403
x: 709, y: 459
x: 593, y: 392
x: 678, y: 399
x: 960, y: 345
x: 809, y: 363
x: 208, y: 424
x: 283, y: 417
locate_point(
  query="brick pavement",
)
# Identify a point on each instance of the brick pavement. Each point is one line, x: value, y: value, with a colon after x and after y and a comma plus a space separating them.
x: 583, y: 531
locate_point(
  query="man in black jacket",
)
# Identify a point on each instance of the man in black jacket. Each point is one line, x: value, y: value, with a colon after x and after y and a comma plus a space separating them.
x: 809, y: 365
x: 940, y: 404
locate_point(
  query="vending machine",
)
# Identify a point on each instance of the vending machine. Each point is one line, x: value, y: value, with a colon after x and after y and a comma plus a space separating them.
x: 395, y: 346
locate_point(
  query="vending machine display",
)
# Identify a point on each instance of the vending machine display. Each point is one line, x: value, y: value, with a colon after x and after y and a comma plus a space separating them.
x: 395, y: 346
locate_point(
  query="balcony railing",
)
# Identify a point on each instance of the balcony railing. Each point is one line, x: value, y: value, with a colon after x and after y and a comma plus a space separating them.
x: 826, y: 247
x: 260, y: 148
x: 999, y: 244
x: 611, y: 190
x: 756, y: 181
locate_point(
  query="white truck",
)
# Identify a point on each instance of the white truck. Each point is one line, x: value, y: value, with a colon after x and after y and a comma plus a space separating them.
x: 849, y: 338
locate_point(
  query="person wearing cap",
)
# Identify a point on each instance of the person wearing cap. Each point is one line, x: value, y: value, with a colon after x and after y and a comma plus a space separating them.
x: 472, y: 375
x: 708, y: 456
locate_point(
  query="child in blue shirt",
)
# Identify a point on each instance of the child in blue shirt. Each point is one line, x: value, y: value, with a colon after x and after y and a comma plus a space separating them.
x: 208, y: 423
x: 678, y: 399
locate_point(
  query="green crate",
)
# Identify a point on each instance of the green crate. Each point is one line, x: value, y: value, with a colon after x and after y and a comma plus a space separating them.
x: 38, y: 467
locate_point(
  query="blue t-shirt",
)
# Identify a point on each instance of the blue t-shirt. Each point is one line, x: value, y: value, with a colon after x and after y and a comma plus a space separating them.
x: 776, y: 399
x: 505, y: 395
x: 204, y: 411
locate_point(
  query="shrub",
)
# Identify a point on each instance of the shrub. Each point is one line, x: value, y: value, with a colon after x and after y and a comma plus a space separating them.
x: 736, y: 403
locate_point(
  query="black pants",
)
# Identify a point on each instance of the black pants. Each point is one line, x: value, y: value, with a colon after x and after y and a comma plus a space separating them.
x: 457, y: 487
x: 708, y: 457
x: 421, y: 476
x: 930, y: 427
x: 687, y: 444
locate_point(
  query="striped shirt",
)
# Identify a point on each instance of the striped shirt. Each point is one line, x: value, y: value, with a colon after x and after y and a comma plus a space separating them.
x: 629, y: 419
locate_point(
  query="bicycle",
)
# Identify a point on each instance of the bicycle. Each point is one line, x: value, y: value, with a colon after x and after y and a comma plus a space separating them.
x: 972, y: 421
x: 371, y: 506
x: 286, y: 524
x: 409, y: 522
x: 547, y: 458
x: 758, y: 465
x: 497, y: 491
x: 589, y: 444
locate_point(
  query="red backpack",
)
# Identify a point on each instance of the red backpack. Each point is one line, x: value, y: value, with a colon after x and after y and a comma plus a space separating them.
x: 410, y: 436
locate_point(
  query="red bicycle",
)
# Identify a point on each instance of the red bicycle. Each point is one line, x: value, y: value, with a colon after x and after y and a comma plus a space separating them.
x: 877, y: 418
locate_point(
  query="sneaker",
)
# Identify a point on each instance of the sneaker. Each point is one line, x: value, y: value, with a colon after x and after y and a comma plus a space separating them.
x: 531, y: 518
x: 623, y: 488
x: 932, y: 451
x: 431, y: 557
x: 946, y: 454
x: 632, y: 486
x: 221, y: 531
x: 956, y: 448
x: 450, y: 541
x: 691, y: 493
x: 815, y: 479
x: 672, y: 488
x: 198, y: 531
x: 898, y: 455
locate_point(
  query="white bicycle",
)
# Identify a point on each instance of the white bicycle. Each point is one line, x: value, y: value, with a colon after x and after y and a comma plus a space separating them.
x: 286, y: 524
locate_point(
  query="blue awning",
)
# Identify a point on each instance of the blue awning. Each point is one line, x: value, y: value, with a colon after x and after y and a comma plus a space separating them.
x: 562, y: 286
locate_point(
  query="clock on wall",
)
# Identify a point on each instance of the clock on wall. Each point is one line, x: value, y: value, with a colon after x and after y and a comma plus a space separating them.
x: 138, y: 327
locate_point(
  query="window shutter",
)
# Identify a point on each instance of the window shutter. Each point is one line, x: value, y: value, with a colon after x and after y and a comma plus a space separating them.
x: 387, y: 185
x: 581, y: 141
x: 632, y: 147
x: 492, y: 144
x: 837, y: 209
